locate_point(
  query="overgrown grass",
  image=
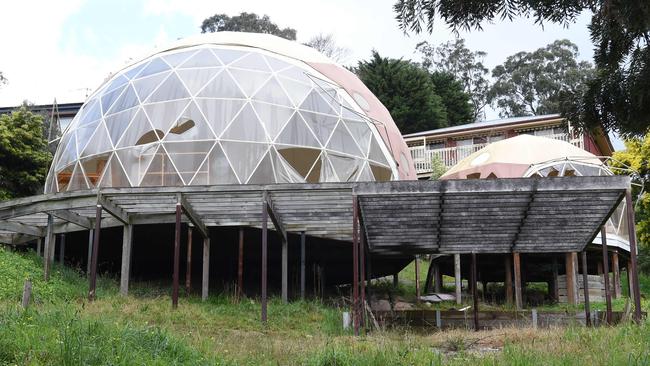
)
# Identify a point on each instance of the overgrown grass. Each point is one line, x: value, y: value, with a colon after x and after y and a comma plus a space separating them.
x: 63, y: 328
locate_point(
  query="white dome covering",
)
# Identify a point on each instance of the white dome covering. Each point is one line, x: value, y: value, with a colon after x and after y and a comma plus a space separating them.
x: 231, y: 108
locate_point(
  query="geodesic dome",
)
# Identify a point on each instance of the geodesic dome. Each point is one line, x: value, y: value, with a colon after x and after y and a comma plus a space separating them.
x: 229, y: 108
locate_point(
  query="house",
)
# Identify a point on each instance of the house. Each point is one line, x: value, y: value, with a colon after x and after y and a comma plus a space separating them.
x: 452, y: 144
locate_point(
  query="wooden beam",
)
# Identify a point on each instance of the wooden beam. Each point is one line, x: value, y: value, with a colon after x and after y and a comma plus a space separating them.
x: 240, y: 265
x: 617, y: 275
x: 474, y: 292
x: 90, y: 251
x: 355, y: 264
x: 188, y: 268
x: 177, y: 254
x: 205, y: 283
x: 275, y: 218
x: 508, y: 280
x: 585, y: 287
x: 608, y: 293
x: 95, y: 255
x: 285, y: 270
x: 571, y: 283
x: 17, y: 227
x: 517, y: 269
x: 62, y: 249
x: 457, y: 278
x: 193, y: 216
x: 634, y: 274
x: 302, y: 265
x: 48, y: 247
x: 74, y: 218
x: 417, y: 279
x: 265, y: 221
x: 113, y: 210
x: 125, y: 270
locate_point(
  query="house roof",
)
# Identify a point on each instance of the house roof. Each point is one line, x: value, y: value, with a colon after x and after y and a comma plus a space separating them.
x: 486, y: 124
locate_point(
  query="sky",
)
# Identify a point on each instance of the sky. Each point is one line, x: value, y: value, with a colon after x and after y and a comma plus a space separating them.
x: 64, y: 49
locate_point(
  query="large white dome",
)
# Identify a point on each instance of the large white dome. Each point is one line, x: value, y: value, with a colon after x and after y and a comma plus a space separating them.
x: 225, y: 109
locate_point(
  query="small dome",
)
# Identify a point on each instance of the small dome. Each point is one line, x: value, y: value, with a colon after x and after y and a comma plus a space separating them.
x: 229, y: 108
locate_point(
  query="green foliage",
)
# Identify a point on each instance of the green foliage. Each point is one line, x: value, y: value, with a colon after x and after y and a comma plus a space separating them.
x: 406, y: 90
x: 245, y: 22
x: 532, y: 83
x: 617, y: 98
x: 456, y: 100
x: 636, y: 156
x: 438, y: 167
x: 24, y: 157
x: 465, y: 65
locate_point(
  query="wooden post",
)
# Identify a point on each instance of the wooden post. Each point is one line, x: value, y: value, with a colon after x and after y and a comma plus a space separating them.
x: 556, y: 289
x: 62, y: 249
x: 634, y: 274
x: 437, y: 276
x: 362, y: 273
x: 285, y: 271
x: 265, y: 219
x: 508, y: 280
x: 458, y: 279
x: 519, y: 303
x: 571, y: 285
x: 205, y: 280
x: 617, y: 275
x: 608, y: 294
x: 629, y: 281
x: 429, y: 280
x: 355, y: 265
x: 585, y: 286
x: 127, y: 234
x: 395, y: 280
x: 474, y: 291
x: 27, y: 293
x: 302, y: 265
x: 240, y: 265
x: 48, y: 248
x: 91, y: 235
x: 39, y: 242
x: 417, y: 279
x: 95, y: 253
x: 177, y: 254
x: 188, y: 269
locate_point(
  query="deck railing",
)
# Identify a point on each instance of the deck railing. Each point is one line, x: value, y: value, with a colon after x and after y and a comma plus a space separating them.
x: 450, y: 156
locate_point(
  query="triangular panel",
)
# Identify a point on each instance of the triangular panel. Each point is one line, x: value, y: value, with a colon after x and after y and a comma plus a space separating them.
x: 361, y: 133
x: 128, y: 99
x: 119, y: 81
x: 77, y: 180
x: 91, y: 112
x: 203, y: 58
x: 100, y: 142
x: 137, y: 131
x: 342, y: 141
x: 219, y: 112
x: 245, y: 127
x: 114, y: 175
x: 272, y: 92
x: 345, y: 167
x: 296, y: 73
x: 296, y: 91
x: 296, y: 132
x: 164, y: 115
x: 84, y: 134
x: 365, y: 174
x: 188, y: 156
x: 68, y: 148
x: 155, y: 66
x: 94, y: 168
x: 244, y: 157
x: 117, y: 123
x: 284, y: 172
x: 190, y: 126
x: 249, y: 81
x: 161, y: 172
x: 222, y: 86
x: 176, y: 59
x: 145, y: 86
x: 320, y: 124
x: 272, y: 116
x: 300, y: 159
x: 228, y: 56
x: 375, y: 153
x: 196, y: 79
x: 170, y: 89
x: 135, y: 70
x: 252, y: 61
x: 217, y: 169
x: 263, y: 174
x: 107, y: 99
x: 276, y: 64
x: 327, y: 173
x: 315, y: 102
x: 136, y: 161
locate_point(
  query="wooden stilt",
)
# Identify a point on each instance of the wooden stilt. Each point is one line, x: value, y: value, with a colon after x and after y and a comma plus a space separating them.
x: 127, y: 234
x: 205, y: 283
x: 355, y: 265
x: 571, y: 283
x: 519, y: 303
x: 617, y: 275
x: 240, y: 265
x: 302, y: 265
x: 457, y: 279
x: 608, y: 294
x: 555, y: 282
x: 62, y: 249
x: 177, y: 254
x: 428, y: 282
x: 188, y: 268
x: 417, y: 279
x: 285, y: 271
x: 91, y: 235
x: 437, y: 277
x: 362, y: 274
x: 508, y: 280
x: 95, y: 253
x: 48, y: 248
x: 585, y: 286
x: 474, y: 291
x: 265, y: 219
x: 39, y: 242
x: 634, y: 274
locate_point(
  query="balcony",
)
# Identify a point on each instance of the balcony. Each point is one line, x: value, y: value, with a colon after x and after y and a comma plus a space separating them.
x: 450, y: 156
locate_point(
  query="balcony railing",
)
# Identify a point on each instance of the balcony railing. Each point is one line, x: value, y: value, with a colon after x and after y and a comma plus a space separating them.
x: 450, y: 156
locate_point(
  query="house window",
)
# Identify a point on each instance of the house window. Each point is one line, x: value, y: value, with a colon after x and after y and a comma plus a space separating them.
x: 480, y: 140
x: 435, y: 145
x: 495, y: 138
x: 464, y: 142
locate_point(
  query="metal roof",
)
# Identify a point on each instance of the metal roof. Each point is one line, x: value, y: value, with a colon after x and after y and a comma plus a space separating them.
x: 525, y: 215
x: 485, y: 124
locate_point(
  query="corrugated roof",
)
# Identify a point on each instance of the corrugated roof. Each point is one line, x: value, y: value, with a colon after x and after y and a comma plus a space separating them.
x: 484, y: 124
